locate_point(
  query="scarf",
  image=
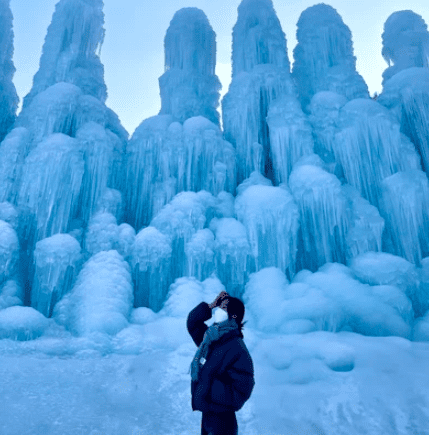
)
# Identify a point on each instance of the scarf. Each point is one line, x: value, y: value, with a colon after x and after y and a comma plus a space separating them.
x: 212, y: 334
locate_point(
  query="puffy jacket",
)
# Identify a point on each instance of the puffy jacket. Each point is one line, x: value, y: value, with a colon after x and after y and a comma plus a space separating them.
x: 226, y: 379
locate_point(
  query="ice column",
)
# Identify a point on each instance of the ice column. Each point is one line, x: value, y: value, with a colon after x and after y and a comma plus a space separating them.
x: 8, y: 95
x: 102, y: 298
x: 405, y: 207
x: 151, y: 261
x: 50, y: 187
x: 9, y: 252
x: 261, y: 73
x: 271, y: 218
x: 324, y: 222
x: 405, y: 43
x: 56, y: 264
x: 369, y: 147
x: 324, y: 59
x: 406, y: 94
x: 166, y: 157
x: 189, y: 86
x: 291, y: 136
x: 70, y: 52
x: 200, y: 254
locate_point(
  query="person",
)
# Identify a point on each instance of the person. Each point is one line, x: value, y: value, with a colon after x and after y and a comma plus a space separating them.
x: 222, y: 373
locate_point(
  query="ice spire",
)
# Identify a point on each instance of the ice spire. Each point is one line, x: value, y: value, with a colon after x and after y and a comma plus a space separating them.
x: 74, y: 37
x: 8, y: 96
x: 189, y: 87
x: 324, y: 59
x: 261, y: 73
x: 405, y: 42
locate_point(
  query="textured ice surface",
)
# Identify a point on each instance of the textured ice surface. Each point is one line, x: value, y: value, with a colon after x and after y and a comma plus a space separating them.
x: 261, y: 73
x: 406, y: 94
x: 8, y: 95
x: 405, y: 42
x: 11, y: 293
x: 324, y: 220
x: 56, y: 263
x: 9, y: 251
x: 22, y: 323
x: 369, y: 147
x: 271, y: 218
x: 70, y: 52
x: 290, y: 135
x: 165, y: 158
x: 101, y: 299
x: 189, y: 87
x: 324, y: 59
x: 50, y: 186
x: 405, y: 207
x: 199, y: 253
x: 151, y: 262
x: 9, y: 214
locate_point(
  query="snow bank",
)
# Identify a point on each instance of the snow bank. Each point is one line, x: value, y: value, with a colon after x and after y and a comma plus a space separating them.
x: 101, y: 299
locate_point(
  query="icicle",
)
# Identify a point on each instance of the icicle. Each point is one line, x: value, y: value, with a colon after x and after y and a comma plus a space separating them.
x: 9, y: 251
x: 151, y: 260
x: 56, y: 264
x: 324, y: 59
x: 199, y: 254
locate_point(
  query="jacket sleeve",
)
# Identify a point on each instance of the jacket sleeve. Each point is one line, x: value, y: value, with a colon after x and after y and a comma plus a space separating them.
x: 195, y: 322
x: 232, y: 387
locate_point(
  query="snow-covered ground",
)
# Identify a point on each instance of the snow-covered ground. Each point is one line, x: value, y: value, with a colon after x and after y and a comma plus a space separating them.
x: 138, y: 384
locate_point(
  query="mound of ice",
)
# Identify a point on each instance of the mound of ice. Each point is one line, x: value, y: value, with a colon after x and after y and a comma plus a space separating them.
x: 11, y: 293
x: 271, y: 218
x: 101, y: 299
x: 22, y: 323
x: 421, y: 329
x: 102, y: 233
x: 57, y: 260
x: 9, y: 214
x: 151, y: 262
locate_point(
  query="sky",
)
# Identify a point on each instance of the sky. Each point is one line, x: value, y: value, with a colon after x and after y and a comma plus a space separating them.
x: 133, y: 50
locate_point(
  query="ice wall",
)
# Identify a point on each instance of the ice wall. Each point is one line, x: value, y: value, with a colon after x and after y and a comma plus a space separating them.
x: 261, y: 73
x: 70, y: 52
x: 189, y: 87
x: 405, y: 43
x: 324, y: 59
x: 8, y: 96
x: 165, y: 157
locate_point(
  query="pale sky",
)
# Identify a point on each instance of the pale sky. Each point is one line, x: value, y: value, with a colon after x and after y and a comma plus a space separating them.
x: 133, y: 50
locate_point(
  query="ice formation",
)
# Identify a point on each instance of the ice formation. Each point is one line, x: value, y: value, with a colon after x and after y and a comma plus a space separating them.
x: 405, y: 207
x: 271, y: 218
x: 69, y: 54
x: 290, y: 136
x: 11, y: 294
x: 199, y: 253
x: 165, y: 157
x: 261, y: 73
x: 324, y: 59
x: 151, y: 261
x: 324, y: 222
x: 406, y: 94
x: 405, y: 42
x: 9, y: 251
x: 56, y: 264
x: 101, y: 299
x: 189, y: 86
x: 369, y: 147
x: 8, y: 95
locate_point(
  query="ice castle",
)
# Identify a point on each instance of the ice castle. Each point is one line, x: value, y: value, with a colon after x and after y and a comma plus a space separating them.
x: 308, y: 177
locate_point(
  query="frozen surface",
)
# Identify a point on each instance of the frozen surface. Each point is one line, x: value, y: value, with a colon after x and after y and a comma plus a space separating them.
x: 199, y: 253
x: 57, y: 260
x: 101, y: 299
x: 271, y: 218
x: 324, y: 59
x: 9, y: 251
x: 8, y: 95
x: 405, y: 42
x: 189, y: 87
x: 71, y: 50
x: 11, y: 293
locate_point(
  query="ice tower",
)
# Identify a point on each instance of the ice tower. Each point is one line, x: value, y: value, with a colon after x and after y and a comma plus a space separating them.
x: 324, y: 59
x: 189, y: 87
x: 405, y: 43
x: 8, y: 96
x: 260, y: 74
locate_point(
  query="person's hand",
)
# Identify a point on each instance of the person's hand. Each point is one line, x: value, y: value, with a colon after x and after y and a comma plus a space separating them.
x: 218, y: 299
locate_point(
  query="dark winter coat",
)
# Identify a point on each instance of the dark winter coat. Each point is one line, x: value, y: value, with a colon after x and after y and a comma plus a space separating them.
x: 226, y: 379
